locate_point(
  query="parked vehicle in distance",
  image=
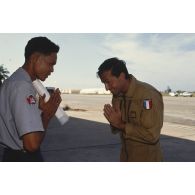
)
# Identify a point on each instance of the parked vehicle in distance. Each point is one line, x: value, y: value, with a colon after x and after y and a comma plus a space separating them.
x: 186, y: 94
x: 173, y: 94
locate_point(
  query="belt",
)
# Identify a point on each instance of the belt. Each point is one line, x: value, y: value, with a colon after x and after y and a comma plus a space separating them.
x: 17, y: 151
x: 11, y: 155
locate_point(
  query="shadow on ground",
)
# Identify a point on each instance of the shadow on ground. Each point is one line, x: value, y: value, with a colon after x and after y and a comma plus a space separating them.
x: 80, y: 141
x: 87, y: 141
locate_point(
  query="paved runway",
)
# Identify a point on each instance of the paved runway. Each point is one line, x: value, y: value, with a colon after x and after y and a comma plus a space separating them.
x: 87, y: 137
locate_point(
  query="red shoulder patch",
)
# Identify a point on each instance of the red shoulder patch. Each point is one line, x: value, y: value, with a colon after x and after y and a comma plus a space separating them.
x: 30, y: 99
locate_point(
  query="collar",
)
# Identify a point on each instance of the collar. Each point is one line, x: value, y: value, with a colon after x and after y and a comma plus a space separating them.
x: 132, y: 86
x: 24, y: 74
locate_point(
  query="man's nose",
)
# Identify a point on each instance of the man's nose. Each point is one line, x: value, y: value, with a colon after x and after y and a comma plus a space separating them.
x: 52, y: 69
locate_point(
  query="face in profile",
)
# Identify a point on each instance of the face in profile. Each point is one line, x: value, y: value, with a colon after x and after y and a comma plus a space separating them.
x: 45, y: 65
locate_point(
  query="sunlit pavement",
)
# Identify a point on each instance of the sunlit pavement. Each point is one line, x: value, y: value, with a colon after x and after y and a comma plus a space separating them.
x: 87, y: 136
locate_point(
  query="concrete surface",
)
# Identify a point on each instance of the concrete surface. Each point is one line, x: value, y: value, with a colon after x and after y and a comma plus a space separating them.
x: 87, y: 136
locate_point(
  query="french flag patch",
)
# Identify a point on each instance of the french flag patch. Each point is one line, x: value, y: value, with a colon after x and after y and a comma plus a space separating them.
x: 147, y: 104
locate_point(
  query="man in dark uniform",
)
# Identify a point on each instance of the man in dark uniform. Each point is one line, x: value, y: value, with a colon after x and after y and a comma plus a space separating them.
x: 136, y: 112
x: 23, y: 121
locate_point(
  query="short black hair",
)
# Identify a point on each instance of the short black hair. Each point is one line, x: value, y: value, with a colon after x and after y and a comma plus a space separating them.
x: 40, y: 44
x: 115, y: 65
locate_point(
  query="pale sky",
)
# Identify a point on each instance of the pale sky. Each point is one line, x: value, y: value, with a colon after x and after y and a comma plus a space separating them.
x: 159, y: 59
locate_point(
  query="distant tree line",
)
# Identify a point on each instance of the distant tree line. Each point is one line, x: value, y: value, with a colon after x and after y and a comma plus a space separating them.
x: 168, y: 90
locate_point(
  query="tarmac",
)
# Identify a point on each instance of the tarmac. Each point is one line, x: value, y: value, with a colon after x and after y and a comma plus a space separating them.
x: 85, y: 138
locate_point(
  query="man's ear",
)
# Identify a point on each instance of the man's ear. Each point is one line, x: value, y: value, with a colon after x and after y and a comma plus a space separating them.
x: 34, y: 57
x: 122, y: 75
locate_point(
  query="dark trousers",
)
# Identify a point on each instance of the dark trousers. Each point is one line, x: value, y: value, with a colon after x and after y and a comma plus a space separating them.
x: 11, y: 155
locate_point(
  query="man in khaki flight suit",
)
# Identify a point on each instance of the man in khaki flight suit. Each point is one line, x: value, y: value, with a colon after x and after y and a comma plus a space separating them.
x: 136, y: 112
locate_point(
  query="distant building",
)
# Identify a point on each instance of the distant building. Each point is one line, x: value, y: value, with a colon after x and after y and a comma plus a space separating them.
x: 70, y: 91
x: 67, y: 91
x: 98, y: 91
x: 75, y: 91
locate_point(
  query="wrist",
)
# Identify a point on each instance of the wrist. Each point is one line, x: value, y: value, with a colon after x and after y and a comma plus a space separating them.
x: 45, y: 116
x: 122, y: 126
x: 45, y: 119
x: 119, y: 126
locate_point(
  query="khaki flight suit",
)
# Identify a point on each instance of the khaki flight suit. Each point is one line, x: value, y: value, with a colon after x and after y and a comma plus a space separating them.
x: 140, y: 141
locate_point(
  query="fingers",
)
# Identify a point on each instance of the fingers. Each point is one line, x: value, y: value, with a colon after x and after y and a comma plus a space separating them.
x: 112, y: 114
x: 56, y: 98
x: 42, y: 98
x: 116, y: 106
x: 117, y: 109
x: 108, y: 111
x: 107, y: 117
x: 58, y: 91
x: 41, y: 101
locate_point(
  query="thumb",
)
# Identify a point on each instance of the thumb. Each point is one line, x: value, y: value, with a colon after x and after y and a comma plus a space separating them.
x: 118, y: 109
x: 42, y: 98
x: 117, y: 106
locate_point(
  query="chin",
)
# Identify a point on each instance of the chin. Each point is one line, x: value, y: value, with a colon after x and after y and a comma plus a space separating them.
x: 115, y: 93
x: 42, y: 79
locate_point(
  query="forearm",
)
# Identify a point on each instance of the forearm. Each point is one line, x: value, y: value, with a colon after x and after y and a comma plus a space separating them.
x: 45, y: 120
x: 32, y: 141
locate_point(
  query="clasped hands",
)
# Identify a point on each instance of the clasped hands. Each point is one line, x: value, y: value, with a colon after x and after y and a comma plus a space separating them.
x: 114, y: 116
x: 50, y: 107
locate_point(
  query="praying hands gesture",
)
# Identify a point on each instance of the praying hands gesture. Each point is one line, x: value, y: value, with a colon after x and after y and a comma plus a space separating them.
x: 113, y: 115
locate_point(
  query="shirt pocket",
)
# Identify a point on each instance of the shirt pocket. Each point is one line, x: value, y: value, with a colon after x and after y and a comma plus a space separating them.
x: 134, y: 113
